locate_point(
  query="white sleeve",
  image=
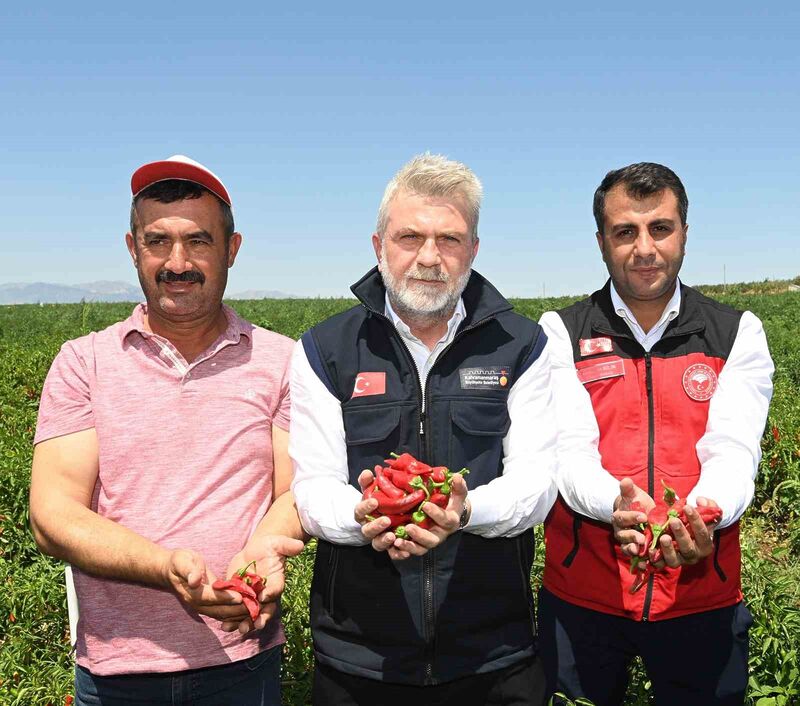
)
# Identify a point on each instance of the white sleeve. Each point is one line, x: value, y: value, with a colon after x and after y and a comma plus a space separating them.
x: 585, y: 485
x: 524, y: 494
x: 321, y: 485
x: 730, y: 449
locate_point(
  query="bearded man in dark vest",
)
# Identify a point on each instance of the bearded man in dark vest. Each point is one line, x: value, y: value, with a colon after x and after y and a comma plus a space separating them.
x: 434, y: 362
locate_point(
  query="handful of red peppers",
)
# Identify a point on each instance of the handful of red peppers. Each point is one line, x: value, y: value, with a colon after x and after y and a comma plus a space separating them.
x: 403, y: 485
x: 248, y: 585
x: 657, y: 524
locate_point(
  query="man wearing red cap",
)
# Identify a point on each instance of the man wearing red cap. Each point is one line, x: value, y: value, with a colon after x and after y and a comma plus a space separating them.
x: 161, y: 464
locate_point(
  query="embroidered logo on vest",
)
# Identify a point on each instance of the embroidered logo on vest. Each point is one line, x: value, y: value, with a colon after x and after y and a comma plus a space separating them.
x: 492, y: 377
x: 369, y: 384
x: 592, y: 346
x: 699, y: 382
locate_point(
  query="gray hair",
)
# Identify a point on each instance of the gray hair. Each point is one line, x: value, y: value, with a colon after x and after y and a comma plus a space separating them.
x: 434, y: 175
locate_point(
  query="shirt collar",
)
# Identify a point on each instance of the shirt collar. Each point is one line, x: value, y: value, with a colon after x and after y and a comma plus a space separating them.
x: 671, y: 310
x: 237, y: 326
x: 458, y: 316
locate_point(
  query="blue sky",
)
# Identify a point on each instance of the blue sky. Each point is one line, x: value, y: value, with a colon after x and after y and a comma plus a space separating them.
x: 306, y: 112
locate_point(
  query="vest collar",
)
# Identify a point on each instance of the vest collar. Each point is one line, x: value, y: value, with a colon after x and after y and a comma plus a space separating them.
x: 481, y: 299
x: 606, y: 320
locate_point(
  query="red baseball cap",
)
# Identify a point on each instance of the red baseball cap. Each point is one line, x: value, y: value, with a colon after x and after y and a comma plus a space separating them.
x: 178, y: 167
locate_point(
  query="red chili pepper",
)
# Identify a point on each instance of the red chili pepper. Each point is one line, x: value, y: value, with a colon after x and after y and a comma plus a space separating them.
x: 397, y: 520
x: 420, y: 468
x: 439, y: 499
x: 369, y: 491
x: 404, y: 480
x: 387, y: 487
x: 234, y: 583
x: 382, y: 497
x: 248, y: 585
x: 401, y: 462
x: 394, y: 506
x: 648, y: 540
x: 658, y: 516
x: 439, y: 474
x: 709, y: 514
x: 252, y: 605
x: 255, y: 581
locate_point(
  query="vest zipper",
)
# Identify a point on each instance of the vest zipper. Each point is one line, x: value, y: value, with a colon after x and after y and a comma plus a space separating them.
x: 428, y: 559
x: 651, y: 433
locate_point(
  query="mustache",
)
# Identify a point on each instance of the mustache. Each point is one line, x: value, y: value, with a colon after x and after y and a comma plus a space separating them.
x: 428, y: 275
x: 188, y: 276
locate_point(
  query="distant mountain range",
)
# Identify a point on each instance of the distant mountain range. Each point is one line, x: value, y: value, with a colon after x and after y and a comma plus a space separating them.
x: 49, y: 293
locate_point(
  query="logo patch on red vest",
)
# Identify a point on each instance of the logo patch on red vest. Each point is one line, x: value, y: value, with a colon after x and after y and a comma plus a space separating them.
x: 592, y: 346
x: 699, y: 382
x: 369, y: 384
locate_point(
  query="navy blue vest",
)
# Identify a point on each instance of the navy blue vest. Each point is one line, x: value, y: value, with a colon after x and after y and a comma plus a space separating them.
x: 465, y: 607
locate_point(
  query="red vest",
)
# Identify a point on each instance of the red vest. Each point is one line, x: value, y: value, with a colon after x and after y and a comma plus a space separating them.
x: 651, y: 409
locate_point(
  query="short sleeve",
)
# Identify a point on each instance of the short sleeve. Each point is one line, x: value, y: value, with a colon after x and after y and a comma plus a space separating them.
x: 280, y: 417
x: 66, y: 405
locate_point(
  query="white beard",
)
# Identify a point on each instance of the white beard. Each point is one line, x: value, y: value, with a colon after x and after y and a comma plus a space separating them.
x: 418, y: 302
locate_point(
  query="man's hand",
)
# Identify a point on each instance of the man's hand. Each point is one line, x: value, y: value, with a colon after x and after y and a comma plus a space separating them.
x: 623, y: 520
x: 269, y: 554
x: 186, y: 575
x: 690, y: 550
x: 376, y: 531
x: 419, y: 541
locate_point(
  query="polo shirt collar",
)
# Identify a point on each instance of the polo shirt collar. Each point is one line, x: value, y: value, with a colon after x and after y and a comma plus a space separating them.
x: 237, y: 326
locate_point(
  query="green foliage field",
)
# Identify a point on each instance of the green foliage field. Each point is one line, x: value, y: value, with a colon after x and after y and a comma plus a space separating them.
x: 35, y: 664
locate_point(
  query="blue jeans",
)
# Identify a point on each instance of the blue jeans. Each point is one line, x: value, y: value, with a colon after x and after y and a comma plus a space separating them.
x: 249, y: 682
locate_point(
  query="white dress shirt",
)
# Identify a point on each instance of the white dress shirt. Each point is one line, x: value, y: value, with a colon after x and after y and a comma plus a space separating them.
x: 505, y: 507
x: 424, y: 358
x: 650, y: 338
x: 729, y: 451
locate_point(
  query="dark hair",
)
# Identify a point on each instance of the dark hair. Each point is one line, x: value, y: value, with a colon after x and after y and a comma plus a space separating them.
x: 640, y: 180
x: 171, y: 190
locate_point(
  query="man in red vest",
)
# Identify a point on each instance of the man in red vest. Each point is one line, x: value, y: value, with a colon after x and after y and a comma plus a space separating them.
x: 659, y: 386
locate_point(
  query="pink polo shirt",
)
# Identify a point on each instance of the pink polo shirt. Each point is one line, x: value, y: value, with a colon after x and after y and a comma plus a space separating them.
x: 185, y: 460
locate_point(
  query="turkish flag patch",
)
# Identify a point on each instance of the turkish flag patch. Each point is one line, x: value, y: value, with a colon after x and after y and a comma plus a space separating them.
x: 369, y: 384
x: 592, y: 346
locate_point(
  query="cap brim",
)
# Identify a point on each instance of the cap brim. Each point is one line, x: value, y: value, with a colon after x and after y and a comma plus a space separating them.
x: 152, y: 173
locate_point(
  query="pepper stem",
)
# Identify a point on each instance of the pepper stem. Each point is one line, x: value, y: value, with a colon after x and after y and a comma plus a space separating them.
x: 242, y: 572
